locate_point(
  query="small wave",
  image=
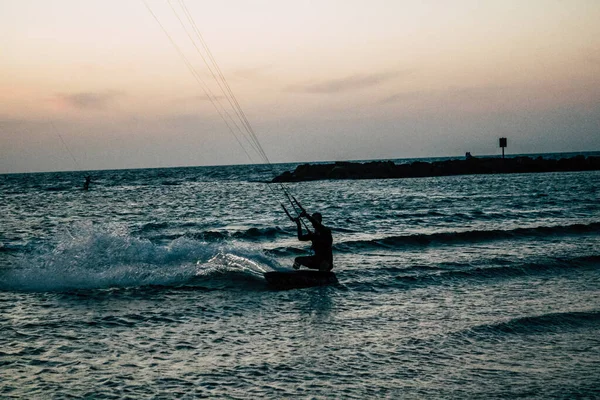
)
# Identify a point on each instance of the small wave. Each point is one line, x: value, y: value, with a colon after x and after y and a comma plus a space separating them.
x: 58, y: 188
x: 505, y: 271
x: 343, y: 230
x: 169, y: 231
x: 7, y: 248
x: 251, y: 234
x: 151, y: 226
x: 422, y: 240
x: 555, y: 322
x: 207, y: 236
x: 419, y: 276
x: 415, y: 268
x: 285, y: 251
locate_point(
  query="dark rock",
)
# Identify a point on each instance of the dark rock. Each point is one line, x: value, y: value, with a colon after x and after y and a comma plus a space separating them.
x: 473, y: 165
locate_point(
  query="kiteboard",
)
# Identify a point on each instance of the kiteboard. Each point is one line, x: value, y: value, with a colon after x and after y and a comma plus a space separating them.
x: 299, y: 279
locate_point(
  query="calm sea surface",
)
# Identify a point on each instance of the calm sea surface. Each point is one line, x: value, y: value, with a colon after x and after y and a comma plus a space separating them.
x: 150, y: 285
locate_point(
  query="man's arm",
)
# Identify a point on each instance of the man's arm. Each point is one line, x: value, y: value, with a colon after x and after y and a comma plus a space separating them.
x: 316, y: 224
x: 302, y: 237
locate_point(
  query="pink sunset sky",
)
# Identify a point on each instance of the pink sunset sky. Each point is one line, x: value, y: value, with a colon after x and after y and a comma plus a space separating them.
x: 318, y: 80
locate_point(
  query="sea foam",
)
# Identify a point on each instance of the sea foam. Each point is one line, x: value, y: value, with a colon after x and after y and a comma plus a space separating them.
x: 89, y: 256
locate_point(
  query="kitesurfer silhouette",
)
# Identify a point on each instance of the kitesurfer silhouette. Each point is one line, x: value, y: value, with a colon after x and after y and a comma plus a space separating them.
x: 86, y: 184
x: 321, y: 244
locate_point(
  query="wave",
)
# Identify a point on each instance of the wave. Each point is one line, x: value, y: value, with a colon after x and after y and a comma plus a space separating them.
x: 555, y: 322
x: 156, y: 230
x: 423, y: 240
x: 286, y: 251
x: 152, y: 226
x: 97, y: 259
x: 251, y: 234
x: 414, y: 268
x: 504, y: 271
x: 108, y: 321
x: 419, y: 276
x: 7, y: 248
x: 257, y: 233
x: 59, y: 188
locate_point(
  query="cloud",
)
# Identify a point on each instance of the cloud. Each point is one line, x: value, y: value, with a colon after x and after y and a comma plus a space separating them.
x: 466, y: 94
x: 399, y: 97
x: 90, y: 100
x: 354, y: 82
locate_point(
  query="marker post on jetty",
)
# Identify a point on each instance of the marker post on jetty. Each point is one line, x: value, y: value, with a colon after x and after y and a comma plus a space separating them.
x: 503, y: 145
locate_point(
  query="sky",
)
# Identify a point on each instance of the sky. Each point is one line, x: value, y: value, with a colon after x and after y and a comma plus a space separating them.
x: 87, y: 85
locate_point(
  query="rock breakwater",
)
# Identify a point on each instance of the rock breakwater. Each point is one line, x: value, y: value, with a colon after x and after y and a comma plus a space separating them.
x: 474, y: 165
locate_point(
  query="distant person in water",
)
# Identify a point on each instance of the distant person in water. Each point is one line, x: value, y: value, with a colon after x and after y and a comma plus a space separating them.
x: 321, y: 244
x: 86, y: 184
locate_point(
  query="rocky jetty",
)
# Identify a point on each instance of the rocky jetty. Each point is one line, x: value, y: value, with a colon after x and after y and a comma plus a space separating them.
x: 473, y: 165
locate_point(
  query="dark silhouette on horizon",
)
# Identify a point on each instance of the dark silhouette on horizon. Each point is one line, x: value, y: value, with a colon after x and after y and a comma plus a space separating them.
x: 86, y: 184
x: 468, y: 166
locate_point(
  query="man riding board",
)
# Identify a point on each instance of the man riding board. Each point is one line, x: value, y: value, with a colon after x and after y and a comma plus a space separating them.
x: 321, y: 244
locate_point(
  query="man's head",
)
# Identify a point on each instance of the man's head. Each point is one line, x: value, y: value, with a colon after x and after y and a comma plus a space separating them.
x: 317, y: 216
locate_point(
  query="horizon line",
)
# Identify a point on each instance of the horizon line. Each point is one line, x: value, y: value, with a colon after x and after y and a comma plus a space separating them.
x: 292, y: 162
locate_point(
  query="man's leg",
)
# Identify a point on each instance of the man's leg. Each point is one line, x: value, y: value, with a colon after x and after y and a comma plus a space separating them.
x: 306, y: 261
x: 324, y: 266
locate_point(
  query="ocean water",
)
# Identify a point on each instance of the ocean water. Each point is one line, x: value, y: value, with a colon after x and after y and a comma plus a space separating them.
x: 150, y: 285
